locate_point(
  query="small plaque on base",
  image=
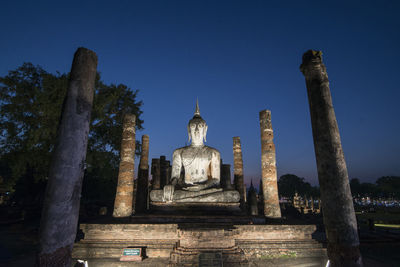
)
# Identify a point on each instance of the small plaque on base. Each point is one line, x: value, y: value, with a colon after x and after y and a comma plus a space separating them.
x: 131, y: 254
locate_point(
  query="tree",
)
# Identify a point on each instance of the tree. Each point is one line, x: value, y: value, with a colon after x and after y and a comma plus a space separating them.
x: 30, y: 110
x: 289, y: 184
x: 355, y: 187
x: 369, y: 189
x: 389, y: 186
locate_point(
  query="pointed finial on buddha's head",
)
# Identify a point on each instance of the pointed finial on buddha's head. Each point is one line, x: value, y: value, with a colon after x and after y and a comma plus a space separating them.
x: 197, y: 111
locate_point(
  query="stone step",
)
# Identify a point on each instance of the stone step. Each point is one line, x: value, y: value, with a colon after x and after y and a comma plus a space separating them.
x: 191, y: 250
x: 186, y: 256
x: 122, y: 243
x: 202, y: 219
x: 285, y: 253
x: 279, y: 244
x: 113, y: 249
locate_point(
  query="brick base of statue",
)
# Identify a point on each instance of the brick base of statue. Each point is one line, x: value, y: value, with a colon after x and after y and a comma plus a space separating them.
x: 185, y: 243
x: 195, y: 218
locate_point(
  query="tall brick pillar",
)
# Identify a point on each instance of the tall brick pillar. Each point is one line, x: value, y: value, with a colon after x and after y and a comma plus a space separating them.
x: 124, y: 195
x: 168, y: 171
x: 238, y: 169
x: 312, y: 204
x: 226, y: 177
x: 143, y: 177
x: 268, y: 167
x: 163, y: 171
x: 155, y: 174
x: 252, y: 200
x: 337, y: 203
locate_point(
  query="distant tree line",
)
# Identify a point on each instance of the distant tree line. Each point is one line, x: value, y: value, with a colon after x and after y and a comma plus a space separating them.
x: 31, y: 102
x: 386, y: 186
x: 289, y: 184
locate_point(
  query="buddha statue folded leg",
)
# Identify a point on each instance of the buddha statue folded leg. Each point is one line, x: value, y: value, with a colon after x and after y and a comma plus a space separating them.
x: 212, y: 195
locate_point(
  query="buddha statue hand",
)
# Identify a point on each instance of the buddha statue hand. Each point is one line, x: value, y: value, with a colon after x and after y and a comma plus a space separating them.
x: 195, y: 188
x: 199, y: 187
x: 168, y: 193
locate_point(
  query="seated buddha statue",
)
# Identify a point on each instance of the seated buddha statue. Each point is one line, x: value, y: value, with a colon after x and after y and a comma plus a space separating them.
x: 200, y: 166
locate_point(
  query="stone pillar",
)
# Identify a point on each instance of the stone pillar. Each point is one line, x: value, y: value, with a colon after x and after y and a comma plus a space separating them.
x: 124, y: 196
x: 339, y: 217
x: 59, y: 220
x: 143, y: 177
x: 260, y: 198
x: 226, y: 177
x: 168, y: 171
x: 268, y: 167
x: 144, y: 157
x: 238, y: 169
x: 312, y: 204
x: 252, y: 201
x: 155, y: 174
x: 163, y: 171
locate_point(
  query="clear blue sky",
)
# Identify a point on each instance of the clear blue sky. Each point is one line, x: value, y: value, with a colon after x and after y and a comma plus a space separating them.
x: 237, y: 57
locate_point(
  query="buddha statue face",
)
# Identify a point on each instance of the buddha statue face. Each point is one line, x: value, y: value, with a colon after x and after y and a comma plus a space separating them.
x: 197, y: 130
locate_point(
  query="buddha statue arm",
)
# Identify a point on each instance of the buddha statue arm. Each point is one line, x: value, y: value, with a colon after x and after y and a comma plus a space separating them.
x: 215, y: 169
x: 176, y: 166
x: 216, y: 166
x: 176, y: 172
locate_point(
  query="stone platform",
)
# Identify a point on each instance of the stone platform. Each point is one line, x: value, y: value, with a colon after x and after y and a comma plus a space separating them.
x: 195, y: 219
x: 196, y: 209
x: 185, y: 244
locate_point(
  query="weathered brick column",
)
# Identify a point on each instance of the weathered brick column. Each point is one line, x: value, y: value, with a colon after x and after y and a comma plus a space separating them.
x: 169, y: 171
x: 163, y: 171
x: 143, y: 177
x: 252, y: 201
x: 312, y: 204
x: 337, y: 204
x: 268, y: 167
x: 124, y: 195
x: 155, y: 174
x: 226, y: 176
x: 144, y: 157
x: 238, y: 169
x: 59, y: 220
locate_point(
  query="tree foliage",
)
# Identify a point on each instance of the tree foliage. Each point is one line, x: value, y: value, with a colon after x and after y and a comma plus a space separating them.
x: 386, y: 186
x: 289, y: 184
x: 30, y: 111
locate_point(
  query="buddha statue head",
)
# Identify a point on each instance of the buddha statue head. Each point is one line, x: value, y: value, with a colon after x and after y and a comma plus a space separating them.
x: 197, y: 128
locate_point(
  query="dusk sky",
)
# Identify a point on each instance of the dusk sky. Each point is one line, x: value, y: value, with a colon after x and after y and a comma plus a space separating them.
x: 237, y: 58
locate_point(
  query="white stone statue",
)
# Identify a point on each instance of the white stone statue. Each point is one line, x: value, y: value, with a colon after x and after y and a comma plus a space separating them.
x: 201, y: 163
x: 201, y: 166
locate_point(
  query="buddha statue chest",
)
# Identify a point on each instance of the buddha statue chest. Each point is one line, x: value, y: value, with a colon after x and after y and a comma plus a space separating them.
x: 196, y: 162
